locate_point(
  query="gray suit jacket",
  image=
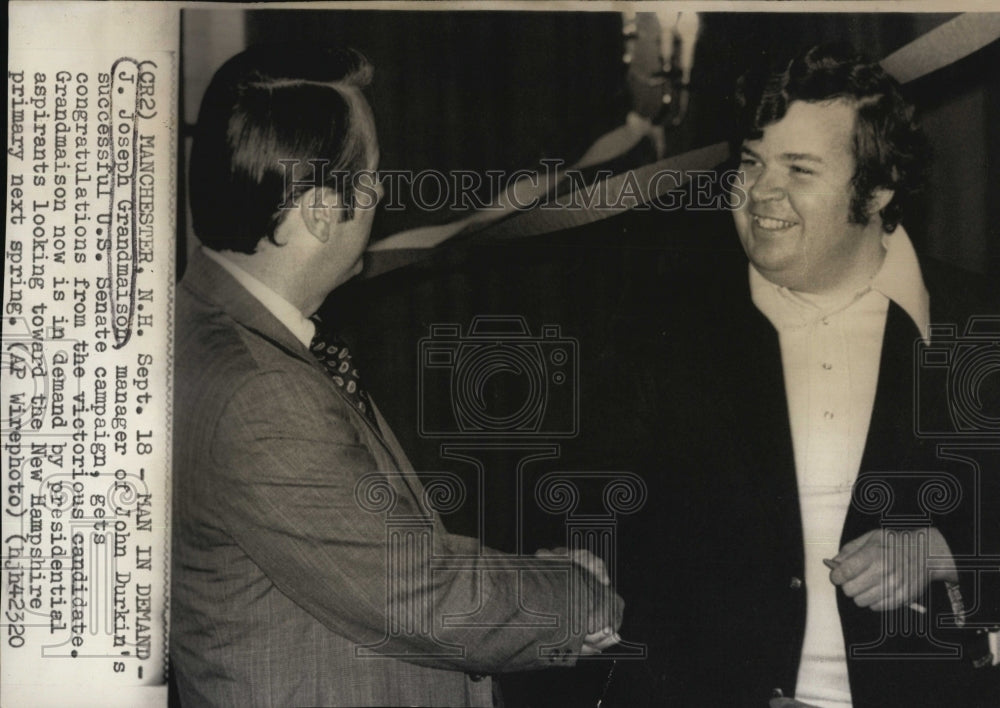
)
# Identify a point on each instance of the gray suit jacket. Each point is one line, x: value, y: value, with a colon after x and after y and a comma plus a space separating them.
x: 280, y: 571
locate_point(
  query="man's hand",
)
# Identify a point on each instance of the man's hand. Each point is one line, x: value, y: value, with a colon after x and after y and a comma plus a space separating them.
x: 885, y: 569
x: 599, y: 641
x: 607, y: 636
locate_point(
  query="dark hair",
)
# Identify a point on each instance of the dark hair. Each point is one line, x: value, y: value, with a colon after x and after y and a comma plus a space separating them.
x: 267, y: 105
x: 890, y: 151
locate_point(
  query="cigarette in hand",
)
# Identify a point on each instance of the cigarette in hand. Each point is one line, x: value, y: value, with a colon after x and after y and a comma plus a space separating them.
x: 915, y: 606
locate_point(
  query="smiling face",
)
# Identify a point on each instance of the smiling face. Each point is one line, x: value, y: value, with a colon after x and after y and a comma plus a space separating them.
x: 795, y: 227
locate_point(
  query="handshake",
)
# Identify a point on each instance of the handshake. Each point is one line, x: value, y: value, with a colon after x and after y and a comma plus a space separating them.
x: 604, y: 607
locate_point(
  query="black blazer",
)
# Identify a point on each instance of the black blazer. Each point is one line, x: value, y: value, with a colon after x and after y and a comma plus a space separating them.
x: 681, y: 381
x: 712, y: 570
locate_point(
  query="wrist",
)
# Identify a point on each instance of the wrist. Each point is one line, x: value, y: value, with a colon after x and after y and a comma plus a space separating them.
x: 943, y: 567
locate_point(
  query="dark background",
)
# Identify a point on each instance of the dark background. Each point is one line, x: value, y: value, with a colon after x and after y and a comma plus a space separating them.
x: 503, y: 90
x: 499, y: 90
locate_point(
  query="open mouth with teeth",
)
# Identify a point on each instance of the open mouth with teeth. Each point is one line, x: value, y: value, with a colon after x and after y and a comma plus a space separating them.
x: 772, y: 224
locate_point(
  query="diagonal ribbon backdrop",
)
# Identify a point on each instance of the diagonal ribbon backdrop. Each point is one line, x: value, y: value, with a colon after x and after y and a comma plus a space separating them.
x: 938, y: 48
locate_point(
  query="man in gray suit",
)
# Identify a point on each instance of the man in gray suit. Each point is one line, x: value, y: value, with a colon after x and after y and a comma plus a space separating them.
x: 288, y: 482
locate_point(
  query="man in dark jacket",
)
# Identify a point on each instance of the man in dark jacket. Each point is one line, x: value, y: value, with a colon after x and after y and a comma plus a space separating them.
x: 822, y: 539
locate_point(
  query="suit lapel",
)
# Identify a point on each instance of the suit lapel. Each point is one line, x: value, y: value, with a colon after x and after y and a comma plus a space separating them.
x: 209, y: 281
x: 763, y: 411
x: 766, y: 462
x: 892, y: 443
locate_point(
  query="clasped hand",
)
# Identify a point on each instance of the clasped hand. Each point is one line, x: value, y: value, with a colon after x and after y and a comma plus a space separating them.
x: 607, y: 636
x: 887, y: 568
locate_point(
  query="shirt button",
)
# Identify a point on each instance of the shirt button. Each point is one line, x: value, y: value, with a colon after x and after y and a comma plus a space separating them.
x: 795, y: 583
x: 827, y: 365
x: 777, y: 693
x: 828, y: 415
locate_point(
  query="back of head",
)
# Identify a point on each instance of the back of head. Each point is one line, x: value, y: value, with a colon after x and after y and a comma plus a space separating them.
x: 890, y: 151
x: 276, y: 120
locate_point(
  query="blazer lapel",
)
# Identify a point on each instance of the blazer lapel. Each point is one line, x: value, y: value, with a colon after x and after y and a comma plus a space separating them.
x: 891, y: 443
x: 209, y: 281
x: 761, y: 420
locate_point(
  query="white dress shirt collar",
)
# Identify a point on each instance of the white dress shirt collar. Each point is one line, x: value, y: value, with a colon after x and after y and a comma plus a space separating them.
x: 285, y: 312
x: 899, y: 279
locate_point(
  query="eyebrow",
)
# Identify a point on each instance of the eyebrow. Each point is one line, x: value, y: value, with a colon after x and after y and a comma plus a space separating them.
x: 789, y: 156
x: 801, y: 156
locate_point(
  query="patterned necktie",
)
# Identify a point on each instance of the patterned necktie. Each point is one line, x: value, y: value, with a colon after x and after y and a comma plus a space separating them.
x: 333, y: 353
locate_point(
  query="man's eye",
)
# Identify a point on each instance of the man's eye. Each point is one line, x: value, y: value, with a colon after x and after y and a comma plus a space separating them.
x: 748, y: 162
x: 802, y: 170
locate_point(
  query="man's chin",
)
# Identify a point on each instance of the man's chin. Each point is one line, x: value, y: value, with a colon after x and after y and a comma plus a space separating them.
x: 775, y: 269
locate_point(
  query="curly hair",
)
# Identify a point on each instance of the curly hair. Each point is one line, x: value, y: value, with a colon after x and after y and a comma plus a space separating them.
x: 890, y: 150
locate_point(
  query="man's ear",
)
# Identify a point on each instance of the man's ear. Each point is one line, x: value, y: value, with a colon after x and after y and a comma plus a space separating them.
x: 879, y: 200
x: 320, y: 209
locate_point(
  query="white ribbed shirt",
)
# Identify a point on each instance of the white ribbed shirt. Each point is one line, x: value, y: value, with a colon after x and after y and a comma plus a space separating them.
x: 831, y: 346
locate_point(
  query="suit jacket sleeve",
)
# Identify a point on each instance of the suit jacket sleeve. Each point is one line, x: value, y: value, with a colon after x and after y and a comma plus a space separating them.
x: 290, y: 458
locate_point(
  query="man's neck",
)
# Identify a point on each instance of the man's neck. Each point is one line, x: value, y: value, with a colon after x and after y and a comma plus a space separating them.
x: 286, y: 279
x: 855, y: 279
x: 863, y: 276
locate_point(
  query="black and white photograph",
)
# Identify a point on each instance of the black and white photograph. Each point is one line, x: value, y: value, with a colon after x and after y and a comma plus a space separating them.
x: 526, y: 355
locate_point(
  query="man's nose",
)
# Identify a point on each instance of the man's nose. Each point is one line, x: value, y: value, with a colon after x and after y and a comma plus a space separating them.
x: 767, y: 187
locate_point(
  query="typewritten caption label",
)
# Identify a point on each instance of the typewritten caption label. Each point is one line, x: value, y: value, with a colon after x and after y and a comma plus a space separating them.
x: 88, y: 273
